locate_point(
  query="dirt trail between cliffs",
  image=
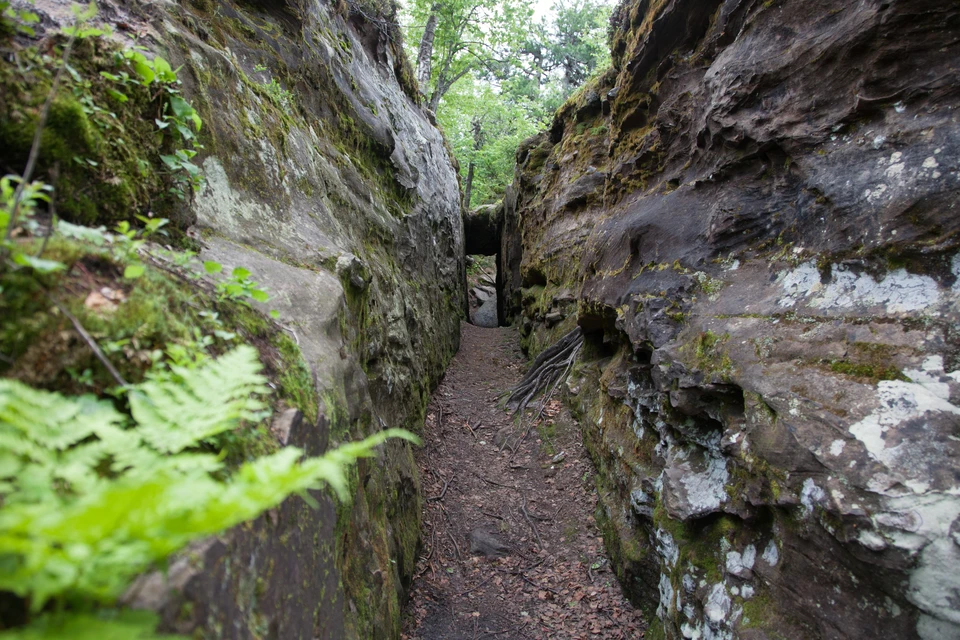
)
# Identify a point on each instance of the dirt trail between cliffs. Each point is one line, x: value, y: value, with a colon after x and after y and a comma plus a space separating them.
x: 511, y: 549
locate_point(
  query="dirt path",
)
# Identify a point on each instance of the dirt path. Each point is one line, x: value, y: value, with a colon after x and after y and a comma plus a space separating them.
x: 511, y: 548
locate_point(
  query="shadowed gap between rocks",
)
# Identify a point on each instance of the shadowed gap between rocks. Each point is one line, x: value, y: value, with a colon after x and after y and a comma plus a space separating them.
x: 482, y: 229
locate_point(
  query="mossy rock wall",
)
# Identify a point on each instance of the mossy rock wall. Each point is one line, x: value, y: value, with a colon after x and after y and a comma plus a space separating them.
x: 326, y: 180
x: 752, y: 216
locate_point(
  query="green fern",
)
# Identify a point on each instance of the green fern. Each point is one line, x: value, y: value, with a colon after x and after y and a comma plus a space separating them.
x: 91, y: 498
x: 107, y: 625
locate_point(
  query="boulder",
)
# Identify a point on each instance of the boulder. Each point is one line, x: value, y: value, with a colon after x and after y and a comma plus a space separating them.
x: 327, y: 182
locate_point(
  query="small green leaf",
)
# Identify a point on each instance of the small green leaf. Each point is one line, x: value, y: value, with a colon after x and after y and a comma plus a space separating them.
x: 38, y: 264
x: 118, y: 96
x: 274, y: 314
x: 180, y: 107
x: 142, y: 67
x: 212, y: 267
x: 240, y: 273
x: 164, y: 70
x: 134, y: 271
x: 172, y: 162
x: 259, y: 295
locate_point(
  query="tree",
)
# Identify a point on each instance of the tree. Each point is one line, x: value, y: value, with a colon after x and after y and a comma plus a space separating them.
x: 493, y: 78
x: 559, y: 56
x: 460, y: 37
x: 485, y: 128
x: 578, y: 42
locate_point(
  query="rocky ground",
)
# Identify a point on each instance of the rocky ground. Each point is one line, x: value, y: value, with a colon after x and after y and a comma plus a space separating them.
x: 482, y: 292
x: 511, y: 548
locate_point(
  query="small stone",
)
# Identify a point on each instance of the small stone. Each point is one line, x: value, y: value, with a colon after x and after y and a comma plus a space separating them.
x: 486, y: 544
x: 352, y: 269
x: 285, y: 425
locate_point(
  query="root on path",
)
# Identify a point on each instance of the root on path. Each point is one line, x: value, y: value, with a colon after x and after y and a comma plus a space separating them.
x: 546, y: 372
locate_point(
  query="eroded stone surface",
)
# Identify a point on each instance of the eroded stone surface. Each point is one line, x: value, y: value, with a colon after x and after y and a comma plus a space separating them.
x: 341, y: 199
x: 756, y: 213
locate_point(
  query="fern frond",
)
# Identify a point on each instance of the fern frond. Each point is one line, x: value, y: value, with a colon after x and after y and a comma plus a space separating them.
x: 91, y: 500
x: 200, y: 403
x: 49, y: 419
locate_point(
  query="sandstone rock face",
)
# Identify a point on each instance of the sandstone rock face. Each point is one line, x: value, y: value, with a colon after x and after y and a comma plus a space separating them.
x: 325, y: 179
x: 760, y: 200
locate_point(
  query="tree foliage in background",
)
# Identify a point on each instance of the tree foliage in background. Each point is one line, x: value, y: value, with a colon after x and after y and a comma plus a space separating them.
x: 503, y: 123
x: 461, y: 37
x: 494, y: 77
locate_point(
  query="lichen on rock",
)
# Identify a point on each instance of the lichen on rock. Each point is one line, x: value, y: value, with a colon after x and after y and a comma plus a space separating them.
x: 766, y: 264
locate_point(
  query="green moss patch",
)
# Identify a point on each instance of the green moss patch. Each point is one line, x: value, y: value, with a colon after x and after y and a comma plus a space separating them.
x: 100, y: 151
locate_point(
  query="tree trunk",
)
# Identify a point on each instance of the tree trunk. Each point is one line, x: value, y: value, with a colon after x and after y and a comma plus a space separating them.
x: 468, y: 188
x: 477, y: 127
x: 435, y: 99
x: 425, y: 55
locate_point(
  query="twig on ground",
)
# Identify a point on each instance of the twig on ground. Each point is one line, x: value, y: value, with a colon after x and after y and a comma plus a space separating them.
x: 474, y: 588
x: 90, y: 342
x: 443, y: 492
x: 526, y: 515
x: 497, y: 484
x: 472, y: 432
x: 456, y: 547
x: 491, y: 515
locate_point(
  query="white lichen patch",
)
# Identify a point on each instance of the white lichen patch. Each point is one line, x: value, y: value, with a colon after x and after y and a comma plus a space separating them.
x: 935, y: 583
x: 667, y: 548
x: 706, y: 491
x: 771, y: 554
x: 898, y: 291
x: 717, y: 607
x: 811, y: 495
x: 666, y: 596
x: 836, y: 447
x: 955, y: 270
x: 899, y: 402
x: 739, y: 564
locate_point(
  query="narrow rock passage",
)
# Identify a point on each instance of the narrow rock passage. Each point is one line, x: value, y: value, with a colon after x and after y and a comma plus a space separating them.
x: 511, y: 546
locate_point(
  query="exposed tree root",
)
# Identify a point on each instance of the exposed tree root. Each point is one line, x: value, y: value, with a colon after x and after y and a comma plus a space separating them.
x: 546, y: 372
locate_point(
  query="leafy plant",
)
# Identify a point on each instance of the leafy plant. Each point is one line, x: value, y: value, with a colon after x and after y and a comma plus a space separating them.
x: 238, y: 286
x: 17, y: 19
x: 93, y: 496
x: 280, y: 96
x: 177, y: 118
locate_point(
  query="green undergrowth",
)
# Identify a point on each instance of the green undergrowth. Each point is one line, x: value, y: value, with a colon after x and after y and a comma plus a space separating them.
x: 176, y: 343
x: 118, y: 138
x: 155, y: 318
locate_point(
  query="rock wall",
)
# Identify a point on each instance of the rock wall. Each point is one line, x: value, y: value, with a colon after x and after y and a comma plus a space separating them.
x: 327, y: 181
x: 753, y: 216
